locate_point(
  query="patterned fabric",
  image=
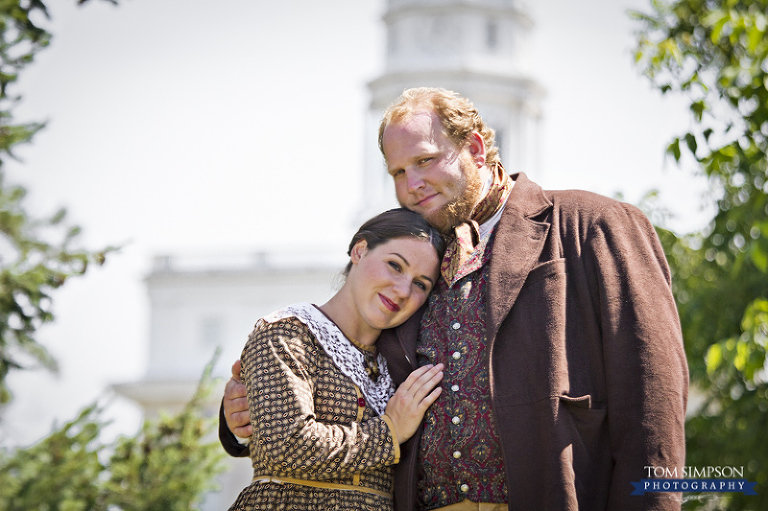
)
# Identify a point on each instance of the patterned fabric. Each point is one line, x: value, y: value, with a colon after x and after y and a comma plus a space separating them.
x: 460, y: 453
x: 347, y: 358
x: 466, y: 235
x: 310, y: 423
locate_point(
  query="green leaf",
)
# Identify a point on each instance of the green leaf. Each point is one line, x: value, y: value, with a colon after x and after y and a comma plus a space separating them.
x: 714, y: 358
x: 698, y: 107
x: 759, y: 257
x: 674, y: 149
x: 690, y: 141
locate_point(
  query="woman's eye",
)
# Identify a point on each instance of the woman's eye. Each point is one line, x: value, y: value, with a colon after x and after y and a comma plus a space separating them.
x: 421, y: 285
x: 394, y: 265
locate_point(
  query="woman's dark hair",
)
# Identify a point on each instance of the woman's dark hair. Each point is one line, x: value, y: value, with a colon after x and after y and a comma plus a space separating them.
x: 396, y: 223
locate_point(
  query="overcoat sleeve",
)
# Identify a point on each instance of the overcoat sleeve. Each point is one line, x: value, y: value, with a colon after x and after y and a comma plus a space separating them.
x: 644, y: 359
x: 228, y: 439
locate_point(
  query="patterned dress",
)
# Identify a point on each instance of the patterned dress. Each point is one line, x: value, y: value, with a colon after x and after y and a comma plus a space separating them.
x: 320, y: 439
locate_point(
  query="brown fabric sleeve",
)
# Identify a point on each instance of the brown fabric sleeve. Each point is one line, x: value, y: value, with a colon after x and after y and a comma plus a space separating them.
x: 284, y: 367
x: 646, y: 369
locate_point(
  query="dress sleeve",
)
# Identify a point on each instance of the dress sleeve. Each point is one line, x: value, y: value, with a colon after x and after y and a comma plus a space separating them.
x: 281, y: 367
x: 644, y: 358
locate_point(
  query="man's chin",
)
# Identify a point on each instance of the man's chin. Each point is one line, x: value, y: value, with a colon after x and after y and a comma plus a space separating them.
x: 440, y: 220
x: 438, y: 217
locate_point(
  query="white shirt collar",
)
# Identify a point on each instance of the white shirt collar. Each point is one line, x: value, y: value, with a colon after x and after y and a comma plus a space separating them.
x: 486, y: 227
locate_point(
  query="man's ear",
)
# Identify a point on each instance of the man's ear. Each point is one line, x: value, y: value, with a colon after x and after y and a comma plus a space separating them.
x: 358, y: 251
x: 476, y: 146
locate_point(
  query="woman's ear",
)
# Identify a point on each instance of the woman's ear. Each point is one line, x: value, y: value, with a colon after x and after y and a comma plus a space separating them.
x: 358, y: 251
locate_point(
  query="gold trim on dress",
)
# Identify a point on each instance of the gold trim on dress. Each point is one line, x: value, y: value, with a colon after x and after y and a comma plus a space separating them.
x: 319, y: 484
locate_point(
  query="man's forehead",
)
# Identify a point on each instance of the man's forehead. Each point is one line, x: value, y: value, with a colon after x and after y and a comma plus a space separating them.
x: 420, y: 128
x: 418, y: 118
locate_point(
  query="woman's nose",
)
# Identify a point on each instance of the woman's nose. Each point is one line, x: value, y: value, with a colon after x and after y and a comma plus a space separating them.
x: 402, y: 288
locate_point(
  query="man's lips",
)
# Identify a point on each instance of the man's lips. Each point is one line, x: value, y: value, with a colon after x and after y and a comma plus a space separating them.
x: 389, y: 304
x: 425, y: 200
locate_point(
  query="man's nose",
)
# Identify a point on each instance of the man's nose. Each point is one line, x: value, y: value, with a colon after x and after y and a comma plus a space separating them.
x: 415, y: 180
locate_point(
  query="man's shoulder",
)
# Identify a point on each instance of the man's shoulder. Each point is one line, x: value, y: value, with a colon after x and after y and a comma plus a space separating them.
x: 580, y: 199
x: 590, y: 205
x: 532, y: 200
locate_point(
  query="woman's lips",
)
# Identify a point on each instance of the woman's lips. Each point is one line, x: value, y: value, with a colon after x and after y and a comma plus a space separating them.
x: 389, y: 304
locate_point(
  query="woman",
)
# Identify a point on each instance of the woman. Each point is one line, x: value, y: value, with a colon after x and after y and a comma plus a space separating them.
x: 325, y: 431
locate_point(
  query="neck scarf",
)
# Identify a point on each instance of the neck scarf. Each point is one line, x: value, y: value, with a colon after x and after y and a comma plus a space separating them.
x: 466, y: 235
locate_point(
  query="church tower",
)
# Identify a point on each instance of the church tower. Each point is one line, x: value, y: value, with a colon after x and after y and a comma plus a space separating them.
x: 474, y: 47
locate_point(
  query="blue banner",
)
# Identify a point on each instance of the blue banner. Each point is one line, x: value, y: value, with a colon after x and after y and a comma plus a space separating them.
x: 697, y: 485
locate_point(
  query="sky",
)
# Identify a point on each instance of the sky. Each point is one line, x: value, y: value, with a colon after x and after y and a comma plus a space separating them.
x: 229, y: 126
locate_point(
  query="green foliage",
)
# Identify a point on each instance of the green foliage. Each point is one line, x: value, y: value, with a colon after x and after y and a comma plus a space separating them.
x: 60, y: 472
x: 716, y: 53
x: 166, y: 466
x: 37, y: 255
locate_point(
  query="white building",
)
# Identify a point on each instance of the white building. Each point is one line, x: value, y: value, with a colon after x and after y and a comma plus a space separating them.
x: 475, y: 47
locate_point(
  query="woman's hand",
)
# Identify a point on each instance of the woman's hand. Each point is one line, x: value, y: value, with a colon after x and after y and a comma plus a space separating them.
x: 406, y: 408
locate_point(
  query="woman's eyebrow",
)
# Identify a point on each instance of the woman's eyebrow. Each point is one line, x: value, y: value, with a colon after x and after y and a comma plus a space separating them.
x: 408, y: 264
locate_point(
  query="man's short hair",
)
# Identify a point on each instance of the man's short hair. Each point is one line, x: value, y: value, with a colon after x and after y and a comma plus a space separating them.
x: 457, y: 114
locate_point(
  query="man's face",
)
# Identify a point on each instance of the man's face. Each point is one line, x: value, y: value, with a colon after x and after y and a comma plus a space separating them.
x: 433, y: 177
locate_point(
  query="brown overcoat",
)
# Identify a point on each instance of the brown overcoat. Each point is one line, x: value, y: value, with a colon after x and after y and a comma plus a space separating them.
x: 588, y: 374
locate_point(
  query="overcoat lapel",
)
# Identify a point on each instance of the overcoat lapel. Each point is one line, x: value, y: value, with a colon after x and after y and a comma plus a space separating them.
x: 518, y: 243
x: 407, y: 335
x: 399, y: 347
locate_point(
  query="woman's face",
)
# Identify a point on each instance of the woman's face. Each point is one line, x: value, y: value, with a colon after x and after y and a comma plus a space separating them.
x: 391, y: 281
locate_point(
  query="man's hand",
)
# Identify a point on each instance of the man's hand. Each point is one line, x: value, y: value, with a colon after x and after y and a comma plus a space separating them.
x: 236, y: 405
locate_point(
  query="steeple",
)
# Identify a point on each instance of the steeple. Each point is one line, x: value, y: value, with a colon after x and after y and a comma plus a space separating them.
x: 474, y: 47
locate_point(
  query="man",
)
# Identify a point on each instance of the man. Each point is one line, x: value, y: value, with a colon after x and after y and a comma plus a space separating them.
x: 565, y: 373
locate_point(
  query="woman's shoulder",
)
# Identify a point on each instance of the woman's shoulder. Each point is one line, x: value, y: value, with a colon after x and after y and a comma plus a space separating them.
x: 286, y: 326
x: 284, y: 329
x: 286, y: 339
x: 289, y: 325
